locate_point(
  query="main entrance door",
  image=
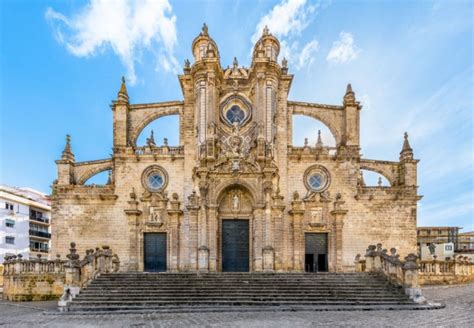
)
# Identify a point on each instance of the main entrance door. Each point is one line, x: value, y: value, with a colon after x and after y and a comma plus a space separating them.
x: 155, y: 252
x: 235, y: 245
x: 316, y: 250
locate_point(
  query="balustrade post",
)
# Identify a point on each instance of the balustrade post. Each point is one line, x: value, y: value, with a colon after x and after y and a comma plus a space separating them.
x: 377, y: 259
x: 369, y: 258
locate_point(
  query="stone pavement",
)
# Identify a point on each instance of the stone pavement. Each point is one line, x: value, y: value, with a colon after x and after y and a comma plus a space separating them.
x: 459, y: 312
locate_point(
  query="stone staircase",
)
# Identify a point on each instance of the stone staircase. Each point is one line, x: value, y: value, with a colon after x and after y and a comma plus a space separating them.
x: 185, y: 292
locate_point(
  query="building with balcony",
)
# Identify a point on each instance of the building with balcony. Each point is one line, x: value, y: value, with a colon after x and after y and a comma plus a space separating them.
x: 438, y: 235
x: 24, y: 222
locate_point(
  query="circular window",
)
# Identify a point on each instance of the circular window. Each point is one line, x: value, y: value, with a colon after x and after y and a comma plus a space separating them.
x: 154, y: 178
x: 317, y: 178
x: 235, y: 115
x: 235, y: 110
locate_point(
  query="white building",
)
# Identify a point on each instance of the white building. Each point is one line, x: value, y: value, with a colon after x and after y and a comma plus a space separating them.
x: 24, y: 222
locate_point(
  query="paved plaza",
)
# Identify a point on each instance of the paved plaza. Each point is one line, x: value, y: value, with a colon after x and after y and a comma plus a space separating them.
x: 459, y: 312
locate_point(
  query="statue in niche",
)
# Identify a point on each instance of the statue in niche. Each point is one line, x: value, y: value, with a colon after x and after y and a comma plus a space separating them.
x: 156, y: 216
x: 235, y: 202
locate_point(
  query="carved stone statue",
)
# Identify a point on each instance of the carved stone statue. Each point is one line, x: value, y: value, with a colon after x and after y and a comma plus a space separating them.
x: 235, y: 202
x: 432, y: 248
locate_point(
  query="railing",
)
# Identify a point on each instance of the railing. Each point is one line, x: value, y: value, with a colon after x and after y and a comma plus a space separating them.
x: 39, y: 219
x: 398, y: 272
x: 459, y: 269
x: 310, y: 150
x: 163, y: 150
x: 40, y: 234
x: 16, y: 265
x: 39, y: 250
x: 64, y: 277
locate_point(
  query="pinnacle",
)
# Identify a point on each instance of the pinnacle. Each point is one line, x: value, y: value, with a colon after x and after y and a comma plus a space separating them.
x: 123, y: 94
x: 67, y: 154
x: 406, y: 143
x: 349, y: 89
x: 319, y: 142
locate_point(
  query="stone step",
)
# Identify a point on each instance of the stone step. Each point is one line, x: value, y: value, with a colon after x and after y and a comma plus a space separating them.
x: 128, y: 309
x: 164, y: 291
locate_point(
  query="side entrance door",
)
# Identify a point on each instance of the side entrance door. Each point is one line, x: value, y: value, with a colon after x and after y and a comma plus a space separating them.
x: 155, y: 252
x: 235, y: 245
x: 316, y: 250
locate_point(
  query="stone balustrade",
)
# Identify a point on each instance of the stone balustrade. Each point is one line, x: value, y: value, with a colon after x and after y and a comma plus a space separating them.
x: 34, y: 279
x: 458, y: 270
x: 159, y: 150
x: 400, y: 273
x: 41, y: 279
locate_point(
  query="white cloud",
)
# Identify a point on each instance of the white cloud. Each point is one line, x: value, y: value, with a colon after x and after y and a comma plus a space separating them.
x: 287, y: 20
x: 127, y: 27
x: 306, y: 57
x: 343, y: 50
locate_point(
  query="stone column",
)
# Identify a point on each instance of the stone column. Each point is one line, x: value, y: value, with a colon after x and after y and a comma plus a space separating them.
x: 258, y: 236
x: 193, y: 211
x: 297, y: 216
x: 212, y: 237
x: 174, y: 215
x: 268, y: 252
x: 338, y: 214
x: 133, y: 214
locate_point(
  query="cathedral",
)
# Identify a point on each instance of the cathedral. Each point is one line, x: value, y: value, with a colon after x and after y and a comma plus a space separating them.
x: 235, y: 195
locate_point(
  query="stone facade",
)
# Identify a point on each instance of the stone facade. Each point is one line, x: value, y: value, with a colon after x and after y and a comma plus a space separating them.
x: 235, y: 161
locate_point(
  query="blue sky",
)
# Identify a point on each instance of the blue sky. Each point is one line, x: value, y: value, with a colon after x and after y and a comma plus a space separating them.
x: 410, y: 63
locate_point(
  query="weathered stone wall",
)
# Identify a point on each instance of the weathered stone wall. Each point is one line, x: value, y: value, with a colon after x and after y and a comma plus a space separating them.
x: 216, y: 156
x: 34, y: 286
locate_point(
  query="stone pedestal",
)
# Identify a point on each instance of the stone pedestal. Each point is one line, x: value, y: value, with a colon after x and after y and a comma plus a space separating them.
x: 203, y: 259
x: 268, y: 259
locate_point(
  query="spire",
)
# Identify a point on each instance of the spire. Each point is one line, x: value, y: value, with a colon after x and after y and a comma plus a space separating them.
x: 349, y: 97
x: 235, y: 63
x: 305, y: 142
x: 151, y: 140
x: 407, y: 151
x: 319, y: 142
x: 67, y: 154
x: 122, y: 94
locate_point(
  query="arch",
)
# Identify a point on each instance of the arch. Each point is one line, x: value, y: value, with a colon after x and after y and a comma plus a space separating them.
x: 302, y: 124
x: 331, y: 116
x: 163, y: 127
x: 364, y: 168
x: 388, y: 170
x: 100, y: 176
x: 222, y: 189
x: 86, y: 170
x: 91, y: 173
x: 140, y: 118
x: 371, y: 178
